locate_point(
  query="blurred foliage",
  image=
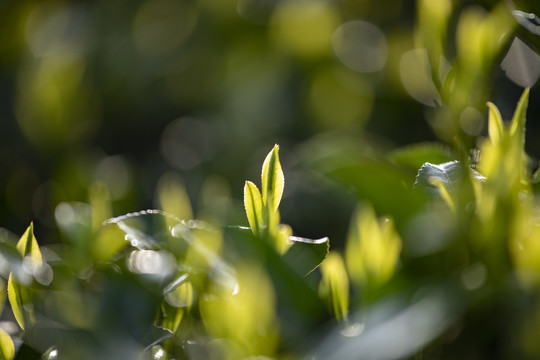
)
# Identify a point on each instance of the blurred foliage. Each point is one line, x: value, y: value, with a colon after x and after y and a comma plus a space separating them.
x: 422, y: 199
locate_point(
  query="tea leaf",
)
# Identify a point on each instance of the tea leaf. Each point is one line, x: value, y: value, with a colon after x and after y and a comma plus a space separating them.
x: 253, y: 205
x: 305, y: 255
x: 273, y: 180
x: 7, y: 349
x: 28, y: 245
x: 16, y: 300
x: 335, y: 284
x: 372, y: 249
x: 18, y: 294
x: 495, y: 124
x: 517, y: 128
x: 108, y: 241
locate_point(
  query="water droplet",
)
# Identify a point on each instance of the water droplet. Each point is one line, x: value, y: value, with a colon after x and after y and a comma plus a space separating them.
x: 353, y: 330
x: 161, y: 263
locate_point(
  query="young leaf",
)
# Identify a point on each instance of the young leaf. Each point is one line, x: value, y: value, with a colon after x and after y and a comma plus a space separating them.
x: 335, y: 284
x: 28, y: 245
x: 108, y: 241
x: 273, y: 180
x: 16, y: 296
x: 282, y: 238
x: 372, y: 249
x: 254, y: 207
x: 495, y: 124
x: 7, y: 349
x: 517, y: 128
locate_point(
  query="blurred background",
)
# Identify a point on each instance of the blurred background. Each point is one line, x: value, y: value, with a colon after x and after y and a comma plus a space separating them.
x: 120, y: 99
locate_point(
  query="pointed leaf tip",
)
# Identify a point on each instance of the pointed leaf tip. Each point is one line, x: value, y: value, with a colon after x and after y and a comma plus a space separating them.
x: 28, y: 245
x: 519, y: 118
x: 273, y: 180
x: 495, y: 124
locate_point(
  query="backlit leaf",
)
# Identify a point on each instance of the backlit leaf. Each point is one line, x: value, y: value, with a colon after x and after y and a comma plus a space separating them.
x: 517, y: 129
x: 16, y: 299
x: 108, y: 241
x: 495, y: 124
x: 335, y: 284
x: 173, y: 198
x: 254, y: 207
x: 372, y: 249
x: 18, y: 294
x: 273, y: 180
x: 28, y: 245
x: 7, y: 349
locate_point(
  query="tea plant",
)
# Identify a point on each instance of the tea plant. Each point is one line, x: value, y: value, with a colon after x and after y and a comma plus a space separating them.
x: 163, y: 287
x: 441, y: 248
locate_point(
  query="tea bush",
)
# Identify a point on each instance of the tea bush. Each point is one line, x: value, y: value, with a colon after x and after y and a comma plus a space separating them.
x: 440, y: 258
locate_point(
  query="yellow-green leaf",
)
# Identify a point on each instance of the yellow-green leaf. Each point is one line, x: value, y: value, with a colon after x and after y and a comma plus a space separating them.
x: 495, y: 124
x: 15, y: 296
x: 172, y: 317
x: 28, y: 245
x: 7, y: 349
x: 517, y: 129
x: 372, y: 249
x: 273, y: 180
x: 173, y: 198
x: 254, y: 207
x: 335, y: 284
x: 108, y: 241
x: 100, y: 201
x: 282, y: 238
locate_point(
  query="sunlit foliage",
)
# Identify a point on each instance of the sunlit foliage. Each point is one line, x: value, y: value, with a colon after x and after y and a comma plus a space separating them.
x: 403, y: 154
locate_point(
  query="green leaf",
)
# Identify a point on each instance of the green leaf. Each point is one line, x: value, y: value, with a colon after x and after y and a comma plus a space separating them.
x: 372, y: 249
x: 495, y: 124
x: 18, y: 294
x: 108, y: 242
x: 273, y: 180
x: 17, y: 298
x: 304, y: 307
x: 305, y: 255
x: 381, y: 183
x: 7, y: 349
x: 28, y: 245
x: 517, y: 128
x: 334, y: 285
x: 254, y: 207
